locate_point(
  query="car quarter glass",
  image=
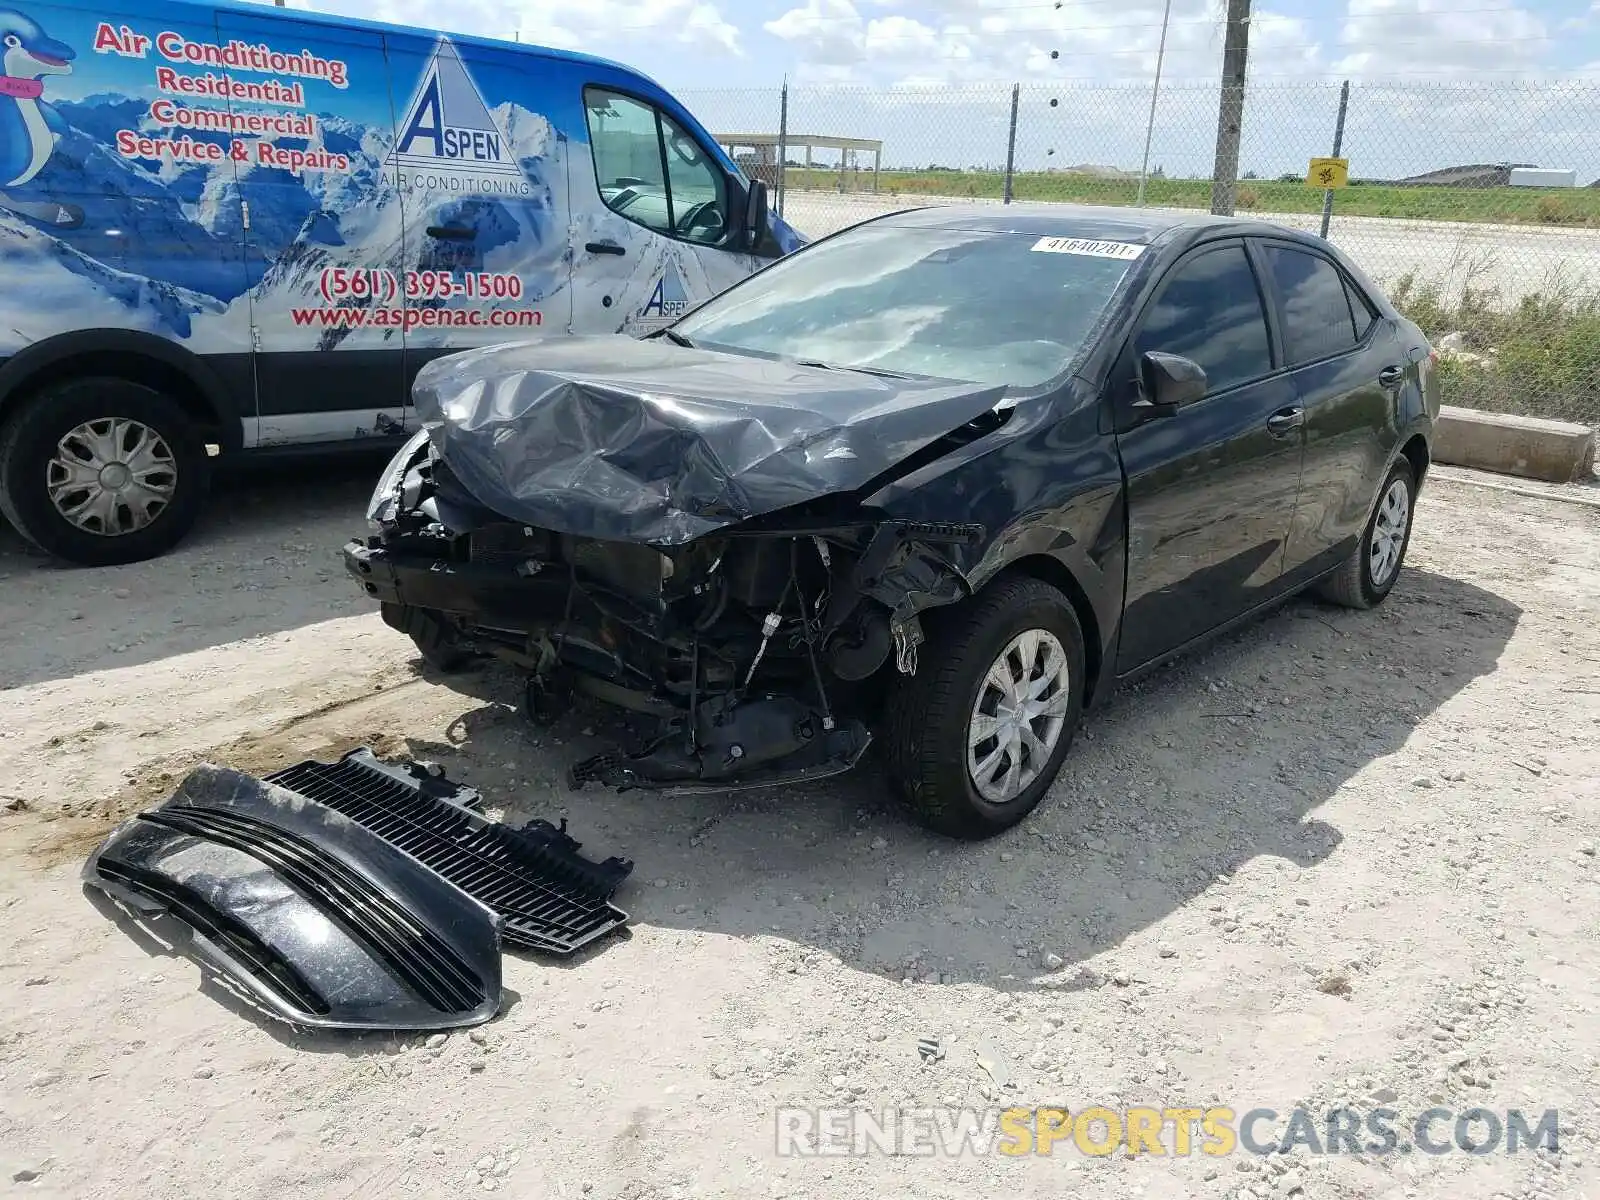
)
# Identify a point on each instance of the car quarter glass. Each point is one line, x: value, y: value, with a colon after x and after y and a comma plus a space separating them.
x: 955, y: 303
x: 1316, y: 308
x: 1209, y: 310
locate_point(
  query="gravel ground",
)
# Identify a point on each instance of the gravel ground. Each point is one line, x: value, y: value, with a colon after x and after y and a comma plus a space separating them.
x: 1337, y: 858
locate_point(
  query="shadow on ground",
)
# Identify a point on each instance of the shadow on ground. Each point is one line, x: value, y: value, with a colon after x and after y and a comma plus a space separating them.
x: 1201, y: 768
x: 264, y: 559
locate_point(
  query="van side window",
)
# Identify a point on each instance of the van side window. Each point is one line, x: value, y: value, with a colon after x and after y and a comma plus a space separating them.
x: 651, y: 171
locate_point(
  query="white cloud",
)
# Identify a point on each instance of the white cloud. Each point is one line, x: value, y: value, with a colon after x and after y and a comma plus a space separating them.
x: 1407, y: 37
x: 970, y: 40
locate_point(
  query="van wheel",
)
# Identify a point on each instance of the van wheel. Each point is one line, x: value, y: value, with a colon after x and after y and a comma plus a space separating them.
x: 977, y: 735
x: 102, y: 472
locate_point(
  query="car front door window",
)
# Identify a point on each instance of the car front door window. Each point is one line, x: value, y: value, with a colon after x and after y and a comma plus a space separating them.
x: 1210, y: 311
x: 652, y: 172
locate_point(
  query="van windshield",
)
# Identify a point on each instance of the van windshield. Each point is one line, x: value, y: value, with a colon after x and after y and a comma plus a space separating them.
x: 983, y: 307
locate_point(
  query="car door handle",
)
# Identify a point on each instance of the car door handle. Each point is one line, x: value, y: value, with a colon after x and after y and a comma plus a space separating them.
x: 452, y: 233
x: 604, y: 248
x: 1285, y: 421
x: 1391, y: 376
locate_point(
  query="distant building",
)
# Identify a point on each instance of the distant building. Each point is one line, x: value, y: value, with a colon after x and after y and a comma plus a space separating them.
x: 1482, y: 175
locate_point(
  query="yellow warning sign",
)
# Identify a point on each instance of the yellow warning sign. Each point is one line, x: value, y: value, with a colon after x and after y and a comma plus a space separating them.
x: 1328, y: 173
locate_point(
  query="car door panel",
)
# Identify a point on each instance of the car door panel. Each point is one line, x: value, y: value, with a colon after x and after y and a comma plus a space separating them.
x: 1211, y: 488
x: 1336, y: 361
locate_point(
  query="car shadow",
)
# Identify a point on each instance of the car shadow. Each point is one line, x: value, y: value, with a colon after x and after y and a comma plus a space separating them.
x: 1176, y: 782
x: 264, y: 559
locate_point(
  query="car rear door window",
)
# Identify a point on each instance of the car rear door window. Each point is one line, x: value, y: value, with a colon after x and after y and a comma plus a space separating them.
x: 1210, y: 310
x: 1316, y: 308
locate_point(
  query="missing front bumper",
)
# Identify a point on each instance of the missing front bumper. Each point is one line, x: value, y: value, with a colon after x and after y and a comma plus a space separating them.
x: 764, y: 742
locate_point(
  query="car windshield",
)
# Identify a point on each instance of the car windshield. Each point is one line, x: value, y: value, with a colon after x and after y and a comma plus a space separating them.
x: 992, y: 308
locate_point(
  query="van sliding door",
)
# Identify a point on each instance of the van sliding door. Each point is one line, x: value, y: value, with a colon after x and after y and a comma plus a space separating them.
x: 312, y: 116
x: 480, y: 161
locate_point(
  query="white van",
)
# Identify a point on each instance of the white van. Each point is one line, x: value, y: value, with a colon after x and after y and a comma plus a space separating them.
x: 223, y: 225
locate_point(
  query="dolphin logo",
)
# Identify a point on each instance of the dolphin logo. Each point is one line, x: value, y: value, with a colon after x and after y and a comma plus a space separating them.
x: 28, y: 125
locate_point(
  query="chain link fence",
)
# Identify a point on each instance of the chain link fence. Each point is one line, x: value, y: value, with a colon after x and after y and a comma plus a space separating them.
x: 1474, y: 205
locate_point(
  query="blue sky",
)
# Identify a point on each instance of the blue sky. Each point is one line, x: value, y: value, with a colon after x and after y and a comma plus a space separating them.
x: 741, y: 43
x: 1435, y: 82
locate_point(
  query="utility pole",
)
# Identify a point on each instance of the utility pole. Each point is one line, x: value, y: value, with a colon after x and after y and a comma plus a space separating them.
x: 1230, y: 108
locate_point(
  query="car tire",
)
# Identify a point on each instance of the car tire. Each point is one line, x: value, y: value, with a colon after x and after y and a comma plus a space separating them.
x: 433, y: 639
x: 934, y: 739
x: 1366, y: 578
x: 49, y: 447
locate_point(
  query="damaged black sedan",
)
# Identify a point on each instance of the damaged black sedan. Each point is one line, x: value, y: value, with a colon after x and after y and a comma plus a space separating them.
x: 938, y: 480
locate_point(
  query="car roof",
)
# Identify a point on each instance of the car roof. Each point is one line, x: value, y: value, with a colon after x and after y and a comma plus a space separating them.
x: 1103, y: 222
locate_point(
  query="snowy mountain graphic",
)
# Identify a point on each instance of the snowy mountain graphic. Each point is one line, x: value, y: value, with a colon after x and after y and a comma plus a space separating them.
x: 449, y: 135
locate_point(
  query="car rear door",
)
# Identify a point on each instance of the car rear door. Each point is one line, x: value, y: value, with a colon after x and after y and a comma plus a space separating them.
x: 1211, y: 488
x: 1346, y: 363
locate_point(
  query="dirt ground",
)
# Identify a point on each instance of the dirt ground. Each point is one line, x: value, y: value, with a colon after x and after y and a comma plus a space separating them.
x: 1338, y: 858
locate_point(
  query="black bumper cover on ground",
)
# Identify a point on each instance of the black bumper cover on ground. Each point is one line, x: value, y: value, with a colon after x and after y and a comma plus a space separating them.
x: 358, y: 895
x: 318, y: 919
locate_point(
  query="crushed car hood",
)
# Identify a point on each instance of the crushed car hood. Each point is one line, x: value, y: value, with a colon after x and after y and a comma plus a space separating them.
x: 616, y: 438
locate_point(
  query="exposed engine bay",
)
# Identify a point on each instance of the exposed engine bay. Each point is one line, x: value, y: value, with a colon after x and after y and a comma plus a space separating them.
x: 741, y: 647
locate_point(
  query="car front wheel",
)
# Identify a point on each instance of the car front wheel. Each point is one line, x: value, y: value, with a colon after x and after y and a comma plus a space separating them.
x: 978, y: 734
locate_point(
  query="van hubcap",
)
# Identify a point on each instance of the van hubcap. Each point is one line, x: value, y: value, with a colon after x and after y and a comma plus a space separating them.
x: 111, y: 476
x: 1389, y: 532
x: 1018, y: 716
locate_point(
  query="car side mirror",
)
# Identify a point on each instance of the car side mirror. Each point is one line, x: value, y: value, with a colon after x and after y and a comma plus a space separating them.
x: 755, y: 213
x: 1170, y: 381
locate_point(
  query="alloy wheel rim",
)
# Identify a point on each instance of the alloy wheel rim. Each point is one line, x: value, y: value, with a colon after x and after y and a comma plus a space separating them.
x: 1018, y: 716
x: 1389, y: 532
x: 111, y: 476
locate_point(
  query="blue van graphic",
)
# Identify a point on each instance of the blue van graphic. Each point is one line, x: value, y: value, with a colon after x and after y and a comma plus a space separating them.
x: 669, y: 300
x: 28, y: 124
x: 449, y: 130
x: 246, y: 227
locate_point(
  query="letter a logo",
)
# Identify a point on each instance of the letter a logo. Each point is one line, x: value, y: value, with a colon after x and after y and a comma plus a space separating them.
x: 448, y: 137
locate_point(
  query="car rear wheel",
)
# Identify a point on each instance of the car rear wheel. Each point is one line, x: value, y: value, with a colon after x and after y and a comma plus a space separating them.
x: 102, y: 471
x: 1368, y: 576
x: 978, y: 734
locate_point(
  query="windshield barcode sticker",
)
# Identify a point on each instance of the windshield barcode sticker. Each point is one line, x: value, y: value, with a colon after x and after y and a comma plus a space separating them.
x: 1069, y: 245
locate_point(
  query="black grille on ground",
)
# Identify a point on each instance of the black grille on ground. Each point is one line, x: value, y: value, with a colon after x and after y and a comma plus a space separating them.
x: 427, y: 963
x: 552, y: 898
x: 269, y: 969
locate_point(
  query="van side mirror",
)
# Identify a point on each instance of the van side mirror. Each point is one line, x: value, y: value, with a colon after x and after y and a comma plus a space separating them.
x: 755, y: 214
x: 1170, y: 382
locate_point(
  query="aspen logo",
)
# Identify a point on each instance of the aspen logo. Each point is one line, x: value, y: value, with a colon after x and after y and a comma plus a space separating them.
x: 669, y: 300
x: 449, y: 140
